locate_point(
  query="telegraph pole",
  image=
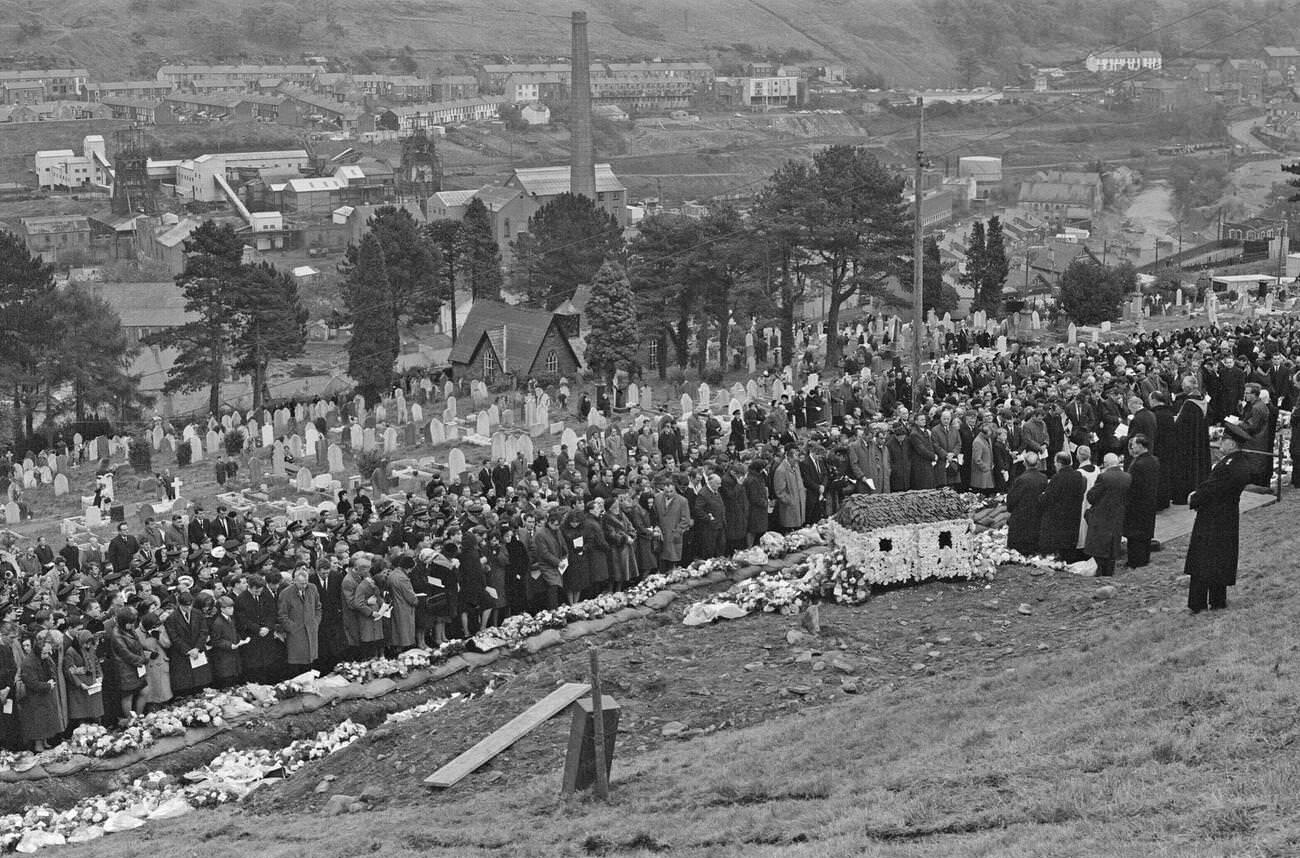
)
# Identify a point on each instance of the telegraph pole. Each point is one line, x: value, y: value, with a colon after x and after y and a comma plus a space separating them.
x: 918, y: 260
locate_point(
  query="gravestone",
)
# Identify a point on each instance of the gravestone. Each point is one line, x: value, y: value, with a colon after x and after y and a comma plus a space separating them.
x: 494, y: 416
x: 46, y: 474
x: 381, y: 413
x: 525, y: 446
x: 499, y: 446
x: 335, y: 457
x: 686, y: 404
x: 738, y: 392
x: 1096, y: 335
x: 569, y: 438
x: 295, y: 447
x: 1002, y: 343
x: 322, y: 458
x: 448, y: 389
x: 1035, y: 322
x: 390, y: 440
x: 302, y: 480
x: 356, y: 436
x: 633, y: 396
x: 417, y: 414
x: 268, y: 435
x: 157, y: 437
x: 1105, y: 327
x: 508, y: 417
x: 733, y: 406
x: 368, y: 439
x: 437, y: 434
x: 281, y: 421
x: 450, y: 410
x: 530, y: 411
x: 312, y: 438
x: 1072, y: 334
x: 704, y: 393
x: 60, y: 485
x: 196, y: 450
x: 751, y: 390
x: 277, y: 460
x: 482, y: 425
x: 455, y: 464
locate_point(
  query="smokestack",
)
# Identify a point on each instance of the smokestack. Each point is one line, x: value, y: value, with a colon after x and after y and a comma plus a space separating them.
x: 582, y: 166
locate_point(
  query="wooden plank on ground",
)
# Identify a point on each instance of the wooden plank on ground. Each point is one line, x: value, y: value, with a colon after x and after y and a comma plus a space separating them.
x: 541, y: 711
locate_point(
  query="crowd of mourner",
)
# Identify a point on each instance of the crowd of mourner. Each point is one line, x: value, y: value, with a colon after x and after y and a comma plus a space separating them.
x: 1088, y: 443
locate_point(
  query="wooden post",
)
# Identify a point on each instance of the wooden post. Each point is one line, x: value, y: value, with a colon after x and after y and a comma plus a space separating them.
x: 598, y: 719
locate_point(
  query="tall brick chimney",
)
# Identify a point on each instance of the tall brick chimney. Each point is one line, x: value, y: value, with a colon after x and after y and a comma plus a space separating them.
x: 582, y: 164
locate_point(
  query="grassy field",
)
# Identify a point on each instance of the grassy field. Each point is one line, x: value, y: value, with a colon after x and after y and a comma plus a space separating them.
x: 1101, y: 724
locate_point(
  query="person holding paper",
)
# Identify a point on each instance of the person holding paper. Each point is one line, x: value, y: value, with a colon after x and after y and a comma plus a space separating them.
x: 39, y: 711
x: 399, y: 629
x: 187, y: 629
x: 10, y: 737
x: 256, y: 614
x: 224, y: 643
x: 129, y: 659
x: 84, y: 678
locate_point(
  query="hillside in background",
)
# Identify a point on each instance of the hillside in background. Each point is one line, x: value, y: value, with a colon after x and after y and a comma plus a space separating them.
x: 909, y: 42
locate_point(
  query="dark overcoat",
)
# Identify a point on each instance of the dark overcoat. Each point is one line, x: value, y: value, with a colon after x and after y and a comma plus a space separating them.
x: 1143, y: 498
x: 1212, y: 552
x: 1107, y: 498
x: 1062, y: 505
x: 1024, y: 502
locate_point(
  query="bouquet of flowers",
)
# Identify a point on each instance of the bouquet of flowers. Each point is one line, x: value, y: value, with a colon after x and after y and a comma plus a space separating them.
x: 414, y: 659
x: 423, y: 709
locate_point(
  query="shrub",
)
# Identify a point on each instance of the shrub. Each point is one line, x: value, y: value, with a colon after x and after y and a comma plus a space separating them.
x: 234, y: 442
x: 140, y: 455
x: 183, y: 453
x: 712, y: 376
x: 676, y: 374
x: 368, y: 460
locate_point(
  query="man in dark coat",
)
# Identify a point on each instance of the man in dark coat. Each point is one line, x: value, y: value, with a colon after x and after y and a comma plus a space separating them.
x: 1062, y: 506
x: 257, y: 613
x: 187, y: 629
x: 1024, y: 502
x: 1107, y: 498
x: 1140, y: 514
x: 1192, y: 445
x: 923, y: 457
x: 1163, y: 447
x: 1212, y: 553
x: 331, y: 640
x: 900, y: 459
x: 813, y: 473
x: 1143, y: 421
x: 711, y: 518
x: 121, y: 549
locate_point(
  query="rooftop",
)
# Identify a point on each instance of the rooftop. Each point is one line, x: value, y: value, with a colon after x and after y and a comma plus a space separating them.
x: 552, y: 181
x: 523, y: 328
x: 54, y: 224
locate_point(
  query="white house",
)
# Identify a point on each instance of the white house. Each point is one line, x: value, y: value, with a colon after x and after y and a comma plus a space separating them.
x: 63, y: 168
x: 1119, y: 61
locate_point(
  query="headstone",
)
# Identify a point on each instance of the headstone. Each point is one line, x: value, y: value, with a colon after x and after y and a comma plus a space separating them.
x: 633, y: 396
x: 704, y: 393
x: 1002, y: 343
x: 277, y: 460
x: 268, y: 435
x: 449, y: 413
x: 322, y: 460
x: 1105, y: 327
x: 569, y: 438
x: 60, y: 485
x: 494, y: 415
x: 335, y: 454
x: 455, y: 464
x: 448, y: 390
x: 417, y: 414
x: 437, y: 434
x: 410, y: 434
x: 302, y: 480
x: 751, y: 390
x: 281, y: 421
x: 157, y: 437
x: 778, y: 389
x: 499, y: 446
x: 733, y: 406
x: 542, y: 414
x: 381, y: 413
x: 368, y: 441
x: 482, y: 425
x: 1034, y: 320
x: 196, y: 450
x: 1072, y: 334
x: 311, y: 436
x: 687, y: 405
x: 295, y: 447
x: 508, y: 417
x: 390, y: 440
x: 1096, y: 335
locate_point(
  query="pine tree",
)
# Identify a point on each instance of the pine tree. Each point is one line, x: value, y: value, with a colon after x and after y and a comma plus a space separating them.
x: 445, y: 234
x: 567, y: 241
x: 368, y: 295
x: 91, y: 354
x: 973, y: 277
x: 412, y: 264
x: 935, y: 294
x: 212, y: 269
x: 613, y: 336
x: 996, y: 268
x: 479, y: 253
x: 274, y: 323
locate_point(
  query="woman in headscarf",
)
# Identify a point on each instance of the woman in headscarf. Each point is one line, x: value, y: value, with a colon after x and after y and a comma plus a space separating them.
x: 157, y: 676
x: 39, y: 712
x: 129, y: 660
x: 84, y: 678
